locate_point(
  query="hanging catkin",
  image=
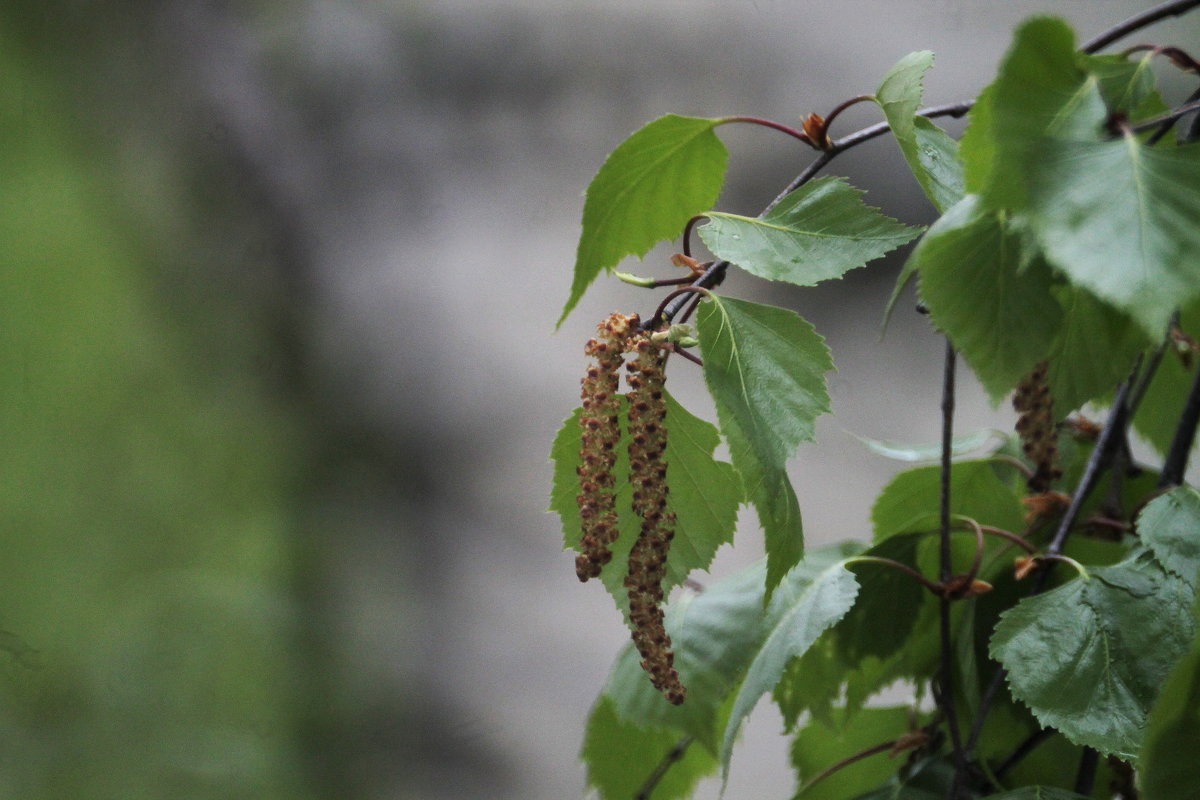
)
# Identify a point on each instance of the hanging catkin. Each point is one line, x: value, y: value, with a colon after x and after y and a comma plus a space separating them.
x: 1035, y: 425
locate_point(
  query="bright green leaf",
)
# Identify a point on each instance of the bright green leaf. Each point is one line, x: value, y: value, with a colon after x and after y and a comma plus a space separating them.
x: 620, y: 756
x: 981, y: 284
x: 1169, y: 526
x: 1088, y: 658
x: 714, y: 635
x: 1119, y: 218
x: 1093, y: 351
x: 818, y: 232
x: 959, y: 446
x: 909, y: 502
x: 765, y: 368
x: 811, y: 597
x: 931, y: 154
x: 819, y: 745
x: 1040, y: 92
x: 1169, y: 767
x: 645, y: 192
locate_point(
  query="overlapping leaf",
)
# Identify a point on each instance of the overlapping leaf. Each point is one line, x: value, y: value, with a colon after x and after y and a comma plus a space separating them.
x: 981, y: 286
x: 1169, y: 526
x: 1040, y: 91
x: 645, y: 192
x: 820, y: 745
x: 1093, y: 351
x: 931, y: 154
x: 818, y: 232
x: 811, y: 597
x: 1119, y: 218
x: 765, y: 368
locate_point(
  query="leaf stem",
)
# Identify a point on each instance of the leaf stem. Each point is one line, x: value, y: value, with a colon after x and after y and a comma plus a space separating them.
x: 672, y: 757
x: 862, y: 98
x: 845, y: 762
x: 767, y: 123
x: 932, y: 586
x: 1016, y: 539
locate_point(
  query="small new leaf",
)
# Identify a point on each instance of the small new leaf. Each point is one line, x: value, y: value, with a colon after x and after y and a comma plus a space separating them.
x: 645, y: 192
x: 818, y: 232
x: 930, y: 153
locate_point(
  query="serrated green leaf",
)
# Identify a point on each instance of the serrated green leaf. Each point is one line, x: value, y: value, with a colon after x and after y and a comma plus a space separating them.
x: 647, y: 189
x: 1119, y: 218
x: 817, y: 232
x: 819, y: 745
x: 931, y: 154
x: 982, y: 283
x: 1093, y: 351
x: 620, y: 756
x: 705, y: 495
x: 1169, y: 769
x: 1088, y: 658
x: 1040, y: 92
x: 813, y: 596
x: 1169, y: 526
x: 932, y: 451
x: 765, y: 368
x: 909, y: 502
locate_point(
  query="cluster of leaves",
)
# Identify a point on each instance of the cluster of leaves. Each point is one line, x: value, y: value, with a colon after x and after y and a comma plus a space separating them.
x: 1067, y: 239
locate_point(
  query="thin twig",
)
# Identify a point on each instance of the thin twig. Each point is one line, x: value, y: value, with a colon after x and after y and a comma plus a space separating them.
x: 946, y: 689
x: 845, y: 762
x: 1176, y: 461
x: 672, y: 757
x: 1138, y: 21
x: 1023, y: 749
x: 1085, y: 779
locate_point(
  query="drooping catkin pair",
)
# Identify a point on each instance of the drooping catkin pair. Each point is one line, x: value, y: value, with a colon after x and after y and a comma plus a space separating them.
x: 620, y: 334
x: 1035, y: 425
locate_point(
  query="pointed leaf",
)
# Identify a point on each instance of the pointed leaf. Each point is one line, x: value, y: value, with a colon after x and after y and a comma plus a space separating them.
x: 982, y: 283
x: 931, y: 154
x: 1088, y: 658
x: 1119, y: 219
x: 645, y: 192
x: 620, y: 756
x: 810, y: 598
x: 1040, y: 91
x: 819, y: 231
x: 765, y: 368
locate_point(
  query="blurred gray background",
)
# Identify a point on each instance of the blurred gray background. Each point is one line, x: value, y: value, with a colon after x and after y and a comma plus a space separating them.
x: 367, y: 211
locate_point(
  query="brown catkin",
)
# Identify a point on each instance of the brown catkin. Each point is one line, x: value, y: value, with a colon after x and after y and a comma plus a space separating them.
x: 647, y: 476
x: 600, y: 432
x: 1035, y: 425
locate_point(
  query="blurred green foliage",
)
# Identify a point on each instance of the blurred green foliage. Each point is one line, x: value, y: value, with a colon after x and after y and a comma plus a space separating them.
x: 149, y: 645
